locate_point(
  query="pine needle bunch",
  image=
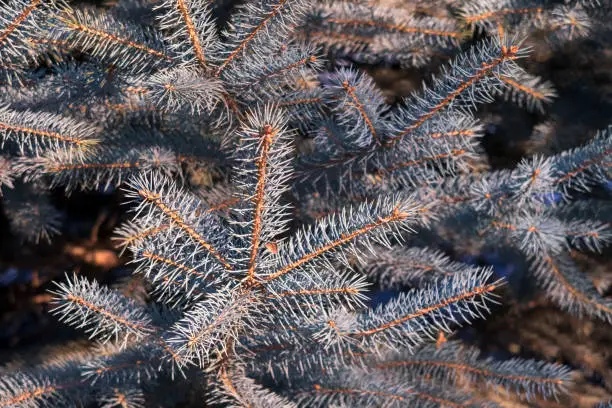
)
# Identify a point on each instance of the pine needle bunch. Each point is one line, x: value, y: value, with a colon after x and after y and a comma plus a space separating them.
x: 430, y: 133
x: 537, y: 216
x: 428, y: 145
x: 110, y: 95
x: 240, y: 309
x: 20, y: 21
x: 559, y: 22
x: 425, y: 34
x: 415, y: 33
x: 409, y: 34
x: 247, y: 304
x: 533, y: 209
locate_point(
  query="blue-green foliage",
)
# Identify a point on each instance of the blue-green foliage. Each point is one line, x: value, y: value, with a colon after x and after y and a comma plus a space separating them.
x: 254, y: 302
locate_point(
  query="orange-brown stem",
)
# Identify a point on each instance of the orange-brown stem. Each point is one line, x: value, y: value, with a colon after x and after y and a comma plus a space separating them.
x: 478, y: 291
x: 344, y: 239
x: 261, y: 26
x: 486, y: 68
x: 267, y: 137
x: 116, y: 39
x: 106, y: 313
x: 43, y: 133
x: 191, y: 32
x: 585, y: 166
x: 289, y: 67
x: 174, y: 264
x: 350, y: 90
x: 572, y: 289
x: 179, y: 222
x: 21, y: 17
x: 501, y: 13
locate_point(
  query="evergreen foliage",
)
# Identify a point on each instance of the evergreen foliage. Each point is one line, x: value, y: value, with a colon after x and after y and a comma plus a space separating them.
x: 259, y: 277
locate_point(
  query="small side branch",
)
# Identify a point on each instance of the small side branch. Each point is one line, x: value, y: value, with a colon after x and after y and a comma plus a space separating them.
x: 174, y: 216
